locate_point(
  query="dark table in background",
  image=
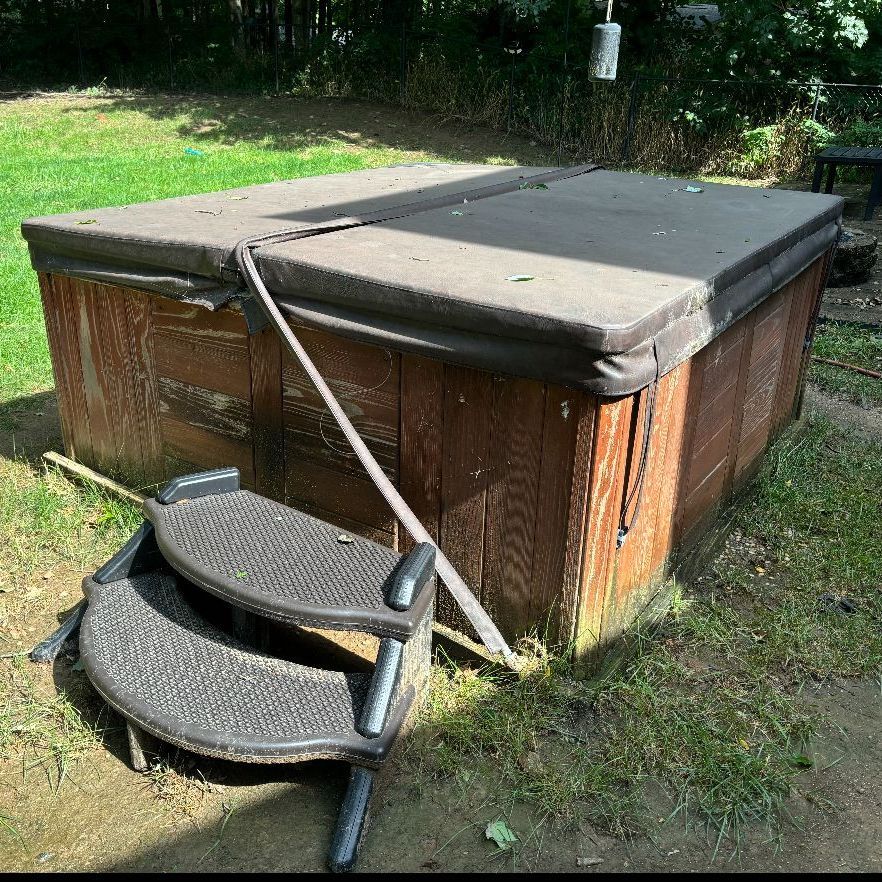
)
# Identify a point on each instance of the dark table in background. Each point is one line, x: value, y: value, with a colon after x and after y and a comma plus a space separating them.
x: 833, y: 157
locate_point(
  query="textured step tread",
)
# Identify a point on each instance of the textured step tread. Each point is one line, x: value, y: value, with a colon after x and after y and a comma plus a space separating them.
x: 163, y: 666
x: 282, y: 563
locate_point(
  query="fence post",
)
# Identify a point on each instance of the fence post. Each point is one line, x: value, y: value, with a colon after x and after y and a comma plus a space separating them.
x: 402, y: 75
x: 79, y: 48
x: 632, y: 119
x: 513, y: 50
x: 171, y: 61
x: 563, y: 87
x: 274, y: 22
x: 817, y: 101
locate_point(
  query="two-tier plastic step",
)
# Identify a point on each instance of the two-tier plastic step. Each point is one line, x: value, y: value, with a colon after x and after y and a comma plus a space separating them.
x: 163, y: 666
x: 280, y: 563
x: 151, y: 644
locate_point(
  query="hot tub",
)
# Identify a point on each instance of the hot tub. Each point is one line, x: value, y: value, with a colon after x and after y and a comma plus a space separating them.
x: 567, y: 373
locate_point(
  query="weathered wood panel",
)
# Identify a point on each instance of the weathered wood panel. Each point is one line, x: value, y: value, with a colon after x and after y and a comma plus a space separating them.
x: 612, y: 427
x: 420, y: 444
x: 145, y: 395
x: 64, y: 345
x: 268, y: 425
x: 560, y: 508
x: 512, y: 498
x: 465, y: 474
x: 522, y: 483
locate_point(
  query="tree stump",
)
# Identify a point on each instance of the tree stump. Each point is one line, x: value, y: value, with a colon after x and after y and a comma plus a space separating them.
x: 855, y: 257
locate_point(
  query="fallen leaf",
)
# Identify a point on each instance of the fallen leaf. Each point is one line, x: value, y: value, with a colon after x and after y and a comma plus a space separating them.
x: 588, y: 861
x: 91, y: 220
x: 519, y: 278
x: 501, y: 834
x: 456, y: 212
x: 345, y: 539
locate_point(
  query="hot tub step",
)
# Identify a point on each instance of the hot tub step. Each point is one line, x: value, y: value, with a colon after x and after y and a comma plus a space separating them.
x: 176, y: 676
x: 278, y: 562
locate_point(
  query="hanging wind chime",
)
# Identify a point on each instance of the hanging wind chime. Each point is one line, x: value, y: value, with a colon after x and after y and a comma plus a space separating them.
x: 605, y: 48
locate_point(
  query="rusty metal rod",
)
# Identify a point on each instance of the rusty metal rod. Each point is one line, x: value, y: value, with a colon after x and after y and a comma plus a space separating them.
x: 876, y: 375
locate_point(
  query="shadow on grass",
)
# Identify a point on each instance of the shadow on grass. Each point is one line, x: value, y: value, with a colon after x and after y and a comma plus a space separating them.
x: 290, y: 124
x: 29, y: 426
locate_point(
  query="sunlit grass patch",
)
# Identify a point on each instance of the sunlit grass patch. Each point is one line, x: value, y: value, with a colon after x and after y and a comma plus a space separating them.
x: 851, y: 344
x: 709, y: 709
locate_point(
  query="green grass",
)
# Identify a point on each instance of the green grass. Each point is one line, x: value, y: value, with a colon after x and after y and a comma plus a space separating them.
x: 49, y: 526
x: 709, y: 709
x: 68, y: 154
x: 39, y: 727
x: 852, y: 344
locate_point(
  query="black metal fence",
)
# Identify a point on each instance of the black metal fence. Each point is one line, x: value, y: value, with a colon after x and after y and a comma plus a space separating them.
x: 670, y: 122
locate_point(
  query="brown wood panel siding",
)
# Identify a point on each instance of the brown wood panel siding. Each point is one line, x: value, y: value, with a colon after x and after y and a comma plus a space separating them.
x: 627, y: 557
x: 420, y: 441
x: 559, y: 522
x: 98, y: 376
x: 512, y: 498
x: 203, y: 367
x: 322, y: 473
x: 612, y: 430
x: 805, y: 289
x: 365, y: 380
x: 465, y: 475
x: 268, y: 427
x: 192, y: 361
x: 64, y: 345
x: 767, y: 346
x: 343, y: 497
x: 674, y: 392
x: 207, y: 449
x: 145, y: 395
x: 577, y: 535
x: 640, y: 561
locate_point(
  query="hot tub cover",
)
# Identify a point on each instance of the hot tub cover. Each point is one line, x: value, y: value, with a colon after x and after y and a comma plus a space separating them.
x: 596, y: 279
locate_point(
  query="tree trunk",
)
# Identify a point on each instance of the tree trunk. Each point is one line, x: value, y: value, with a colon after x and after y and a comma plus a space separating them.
x: 289, y: 24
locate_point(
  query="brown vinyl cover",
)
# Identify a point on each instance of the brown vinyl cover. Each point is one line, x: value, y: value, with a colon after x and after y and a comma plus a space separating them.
x: 623, y: 275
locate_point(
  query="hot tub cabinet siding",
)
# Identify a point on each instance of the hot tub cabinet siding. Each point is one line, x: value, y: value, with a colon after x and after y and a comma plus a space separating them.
x: 522, y: 482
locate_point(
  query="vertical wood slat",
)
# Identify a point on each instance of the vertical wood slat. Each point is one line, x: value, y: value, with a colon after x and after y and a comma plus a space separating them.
x: 68, y: 316
x: 805, y: 289
x: 268, y: 431
x: 421, y: 442
x: 627, y: 557
x: 811, y: 327
x: 465, y: 474
x: 64, y: 352
x: 550, y: 583
x: 96, y: 376
x: 119, y: 385
x: 612, y: 427
x: 145, y: 401
x: 512, y: 497
x: 638, y: 569
x: 676, y: 387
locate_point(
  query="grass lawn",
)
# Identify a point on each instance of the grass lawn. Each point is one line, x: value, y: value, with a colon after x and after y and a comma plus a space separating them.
x: 66, y: 154
x: 707, y: 722
x: 855, y: 345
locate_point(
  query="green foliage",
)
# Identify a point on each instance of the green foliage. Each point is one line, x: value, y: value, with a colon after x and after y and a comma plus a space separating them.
x: 781, y: 148
x: 824, y: 40
x: 861, y: 134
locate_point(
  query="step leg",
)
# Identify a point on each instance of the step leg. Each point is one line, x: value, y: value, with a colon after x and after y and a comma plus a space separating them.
x: 352, y: 821
x: 141, y: 746
x: 47, y: 651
